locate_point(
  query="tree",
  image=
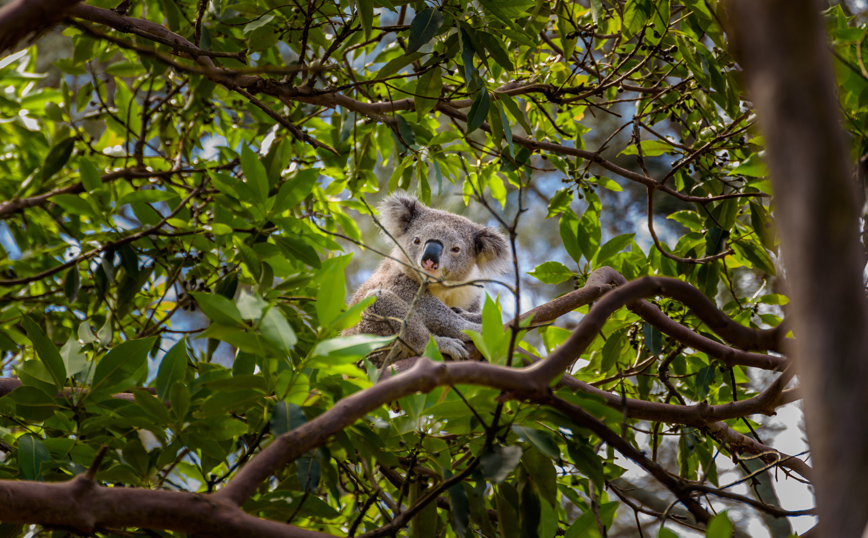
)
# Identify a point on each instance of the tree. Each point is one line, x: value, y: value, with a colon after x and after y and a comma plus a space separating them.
x: 213, y: 160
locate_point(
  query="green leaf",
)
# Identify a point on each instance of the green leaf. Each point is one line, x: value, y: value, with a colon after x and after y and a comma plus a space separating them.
x: 763, y: 224
x: 752, y: 167
x: 298, y: 250
x: 499, y: 461
x: 262, y: 38
x: 613, y: 350
x: 540, y: 440
x: 75, y: 204
x: 219, y: 309
x: 587, y: 461
x: 653, y: 339
x: 366, y: 14
x: 353, y: 314
x: 149, y: 196
x: 351, y: 346
x: 478, y: 111
x: 510, y: 103
x: 597, y: 11
x: 114, y: 371
x: 85, y: 333
x: 294, y: 190
x: 235, y: 336
x: 496, y: 49
x: 285, y: 418
x: 393, y: 66
x: 251, y: 306
x: 173, y: 368
x: 541, y: 470
x: 755, y: 254
x: 529, y: 512
x: 71, y: 284
x: 507, y: 10
x: 719, y: 527
x: 427, y: 92
x: 551, y: 273
x: 689, y: 219
x: 32, y: 404
x: 460, y: 507
x: 90, y: 177
x: 424, y: 26
x: 152, y: 406
x: 614, y: 246
x: 179, y: 395
x: 82, y: 98
x: 586, y: 524
x: 73, y: 359
x: 46, y: 351
x: 566, y: 28
x: 236, y: 401
x: 254, y: 174
x: 331, y: 294
x: 608, y: 183
x: 31, y: 455
x: 34, y: 373
x: 277, y: 331
x: 309, y: 473
x: 650, y: 148
x: 588, y: 233
x: 636, y: 15
x: 704, y: 381
x: 57, y: 157
x: 568, y: 227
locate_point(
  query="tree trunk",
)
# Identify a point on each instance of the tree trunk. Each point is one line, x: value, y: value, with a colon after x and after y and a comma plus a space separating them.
x: 783, y: 48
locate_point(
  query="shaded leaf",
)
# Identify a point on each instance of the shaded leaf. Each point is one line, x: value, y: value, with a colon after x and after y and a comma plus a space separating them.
x: 31, y: 455
x: 424, y: 26
x: 478, y: 111
x: 172, y: 368
x: 499, y: 461
x: 46, y: 351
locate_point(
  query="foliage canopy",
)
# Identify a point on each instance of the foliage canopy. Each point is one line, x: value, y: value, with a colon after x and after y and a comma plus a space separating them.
x: 216, y: 157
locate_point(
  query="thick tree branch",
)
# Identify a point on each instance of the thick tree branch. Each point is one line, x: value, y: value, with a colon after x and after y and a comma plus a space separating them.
x: 530, y: 383
x: 85, y: 507
x: 20, y: 18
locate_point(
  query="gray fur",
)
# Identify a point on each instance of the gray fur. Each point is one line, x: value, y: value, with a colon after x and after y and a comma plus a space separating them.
x: 442, y: 312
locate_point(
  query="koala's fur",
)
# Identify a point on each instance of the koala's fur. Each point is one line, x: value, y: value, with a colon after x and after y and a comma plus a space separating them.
x: 469, y: 251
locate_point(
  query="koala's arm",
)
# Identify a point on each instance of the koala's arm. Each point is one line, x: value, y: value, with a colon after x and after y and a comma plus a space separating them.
x: 469, y: 315
x: 443, y: 321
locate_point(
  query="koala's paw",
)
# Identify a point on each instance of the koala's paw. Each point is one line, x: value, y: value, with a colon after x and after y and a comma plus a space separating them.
x: 475, y: 317
x: 452, y: 347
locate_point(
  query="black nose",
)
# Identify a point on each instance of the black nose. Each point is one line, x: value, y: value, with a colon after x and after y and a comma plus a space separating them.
x: 431, y: 255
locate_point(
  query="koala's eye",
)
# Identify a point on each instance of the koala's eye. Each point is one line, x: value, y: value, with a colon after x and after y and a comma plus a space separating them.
x: 417, y: 241
x: 456, y: 249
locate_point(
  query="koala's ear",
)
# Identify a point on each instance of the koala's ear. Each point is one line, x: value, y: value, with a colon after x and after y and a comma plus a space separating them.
x: 492, y: 251
x: 398, y: 211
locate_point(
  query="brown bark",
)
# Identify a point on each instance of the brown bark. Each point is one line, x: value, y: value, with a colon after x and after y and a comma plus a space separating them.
x: 20, y: 18
x: 783, y: 49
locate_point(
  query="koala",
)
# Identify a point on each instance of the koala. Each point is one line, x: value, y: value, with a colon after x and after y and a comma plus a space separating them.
x: 441, y: 245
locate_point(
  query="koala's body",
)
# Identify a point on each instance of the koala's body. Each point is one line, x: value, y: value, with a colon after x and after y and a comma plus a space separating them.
x: 444, y: 246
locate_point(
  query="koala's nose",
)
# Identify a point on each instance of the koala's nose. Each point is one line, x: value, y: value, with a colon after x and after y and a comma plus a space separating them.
x: 431, y: 255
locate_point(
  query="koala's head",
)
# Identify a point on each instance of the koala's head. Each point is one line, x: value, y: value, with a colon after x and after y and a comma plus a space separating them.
x: 440, y: 243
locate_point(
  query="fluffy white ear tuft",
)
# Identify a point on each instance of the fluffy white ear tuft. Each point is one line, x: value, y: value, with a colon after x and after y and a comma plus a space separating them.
x: 492, y: 251
x: 398, y: 211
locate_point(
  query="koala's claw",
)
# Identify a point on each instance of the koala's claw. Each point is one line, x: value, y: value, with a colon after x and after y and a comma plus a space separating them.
x: 452, y: 347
